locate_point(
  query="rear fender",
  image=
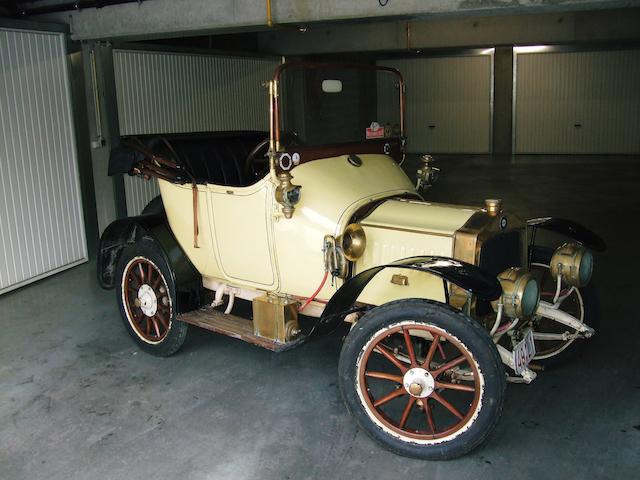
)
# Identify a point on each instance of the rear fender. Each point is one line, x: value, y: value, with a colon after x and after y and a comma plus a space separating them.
x: 129, y: 230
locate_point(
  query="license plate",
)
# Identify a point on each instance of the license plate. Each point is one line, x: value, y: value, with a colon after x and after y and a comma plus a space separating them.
x: 523, y: 352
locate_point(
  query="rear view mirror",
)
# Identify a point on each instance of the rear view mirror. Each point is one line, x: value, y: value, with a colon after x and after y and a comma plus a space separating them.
x: 332, y: 86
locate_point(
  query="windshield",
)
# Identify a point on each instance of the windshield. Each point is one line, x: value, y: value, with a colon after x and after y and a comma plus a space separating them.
x: 326, y: 104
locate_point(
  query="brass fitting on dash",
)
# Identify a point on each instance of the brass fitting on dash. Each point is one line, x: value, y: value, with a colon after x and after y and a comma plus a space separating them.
x: 287, y: 194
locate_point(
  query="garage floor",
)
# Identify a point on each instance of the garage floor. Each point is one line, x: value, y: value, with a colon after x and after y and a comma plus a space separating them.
x: 78, y: 401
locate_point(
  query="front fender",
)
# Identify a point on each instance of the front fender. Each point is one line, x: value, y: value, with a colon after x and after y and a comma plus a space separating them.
x: 464, y: 275
x: 569, y: 229
x: 125, y: 231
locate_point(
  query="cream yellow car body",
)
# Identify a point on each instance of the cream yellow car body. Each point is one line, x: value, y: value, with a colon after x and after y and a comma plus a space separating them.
x: 267, y: 252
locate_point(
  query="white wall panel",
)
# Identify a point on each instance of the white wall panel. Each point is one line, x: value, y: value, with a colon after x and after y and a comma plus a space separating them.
x: 577, y: 102
x: 163, y: 92
x: 448, y: 103
x: 41, y: 223
x: 138, y: 193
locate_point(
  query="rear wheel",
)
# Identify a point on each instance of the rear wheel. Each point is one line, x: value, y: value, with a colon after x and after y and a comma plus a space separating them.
x: 581, y: 303
x: 422, y: 379
x: 147, y: 299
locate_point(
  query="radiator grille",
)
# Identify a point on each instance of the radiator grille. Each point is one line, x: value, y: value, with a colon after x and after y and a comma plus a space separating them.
x: 501, y: 252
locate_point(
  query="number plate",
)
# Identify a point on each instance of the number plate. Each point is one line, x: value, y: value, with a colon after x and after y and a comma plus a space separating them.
x: 524, y: 352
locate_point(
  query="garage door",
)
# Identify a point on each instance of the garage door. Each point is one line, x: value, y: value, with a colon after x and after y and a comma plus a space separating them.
x: 41, y: 222
x: 577, y: 102
x: 163, y: 92
x: 448, y: 103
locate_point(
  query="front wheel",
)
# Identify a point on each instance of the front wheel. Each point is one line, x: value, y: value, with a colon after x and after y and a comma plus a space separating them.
x: 422, y: 379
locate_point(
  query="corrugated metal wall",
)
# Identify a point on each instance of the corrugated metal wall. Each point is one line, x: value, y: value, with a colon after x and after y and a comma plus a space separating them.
x: 449, y: 103
x: 162, y: 92
x: 41, y: 223
x: 577, y: 102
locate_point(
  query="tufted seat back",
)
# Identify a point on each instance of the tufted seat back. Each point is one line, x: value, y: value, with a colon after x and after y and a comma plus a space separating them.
x: 217, y: 158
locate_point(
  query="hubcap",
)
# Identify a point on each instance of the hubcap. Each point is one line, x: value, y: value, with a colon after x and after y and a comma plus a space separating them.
x: 418, y: 382
x: 148, y: 300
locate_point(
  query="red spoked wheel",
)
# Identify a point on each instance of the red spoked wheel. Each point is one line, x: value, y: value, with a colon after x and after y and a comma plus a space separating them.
x: 146, y: 294
x: 422, y: 379
x: 426, y: 396
x: 146, y: 299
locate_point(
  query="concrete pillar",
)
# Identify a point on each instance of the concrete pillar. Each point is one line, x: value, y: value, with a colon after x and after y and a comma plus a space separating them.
x: 502, y: 100
x: 104, y: 130
x: 85, y: 169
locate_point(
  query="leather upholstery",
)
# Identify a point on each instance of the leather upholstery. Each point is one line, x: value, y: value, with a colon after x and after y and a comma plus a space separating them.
x: 217, y: 158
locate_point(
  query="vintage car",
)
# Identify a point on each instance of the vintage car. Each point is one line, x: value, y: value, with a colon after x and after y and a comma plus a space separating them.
x: 276, y: 237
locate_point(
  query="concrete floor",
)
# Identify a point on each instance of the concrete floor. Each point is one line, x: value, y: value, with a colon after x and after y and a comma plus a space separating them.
x: 79, y: 401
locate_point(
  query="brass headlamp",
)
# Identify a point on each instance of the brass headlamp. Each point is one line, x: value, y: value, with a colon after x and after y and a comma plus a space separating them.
x: 573, y: 263
x: 520, y: 293
x: 353, y: 242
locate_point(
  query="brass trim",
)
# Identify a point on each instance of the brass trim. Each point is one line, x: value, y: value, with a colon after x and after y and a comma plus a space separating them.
x: 479, y: 228
x: 401, y: 280
x: 493, y: 206
x: 275, y: 318
x: 408, y: 230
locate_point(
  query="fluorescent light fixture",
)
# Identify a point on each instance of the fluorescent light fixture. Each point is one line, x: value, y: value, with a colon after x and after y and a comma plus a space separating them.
x: 532, y: 49
x: 487, y: 51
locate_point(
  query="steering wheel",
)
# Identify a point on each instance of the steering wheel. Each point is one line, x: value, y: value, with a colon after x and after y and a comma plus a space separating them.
x: 253, y: 158
x: 257, y: 156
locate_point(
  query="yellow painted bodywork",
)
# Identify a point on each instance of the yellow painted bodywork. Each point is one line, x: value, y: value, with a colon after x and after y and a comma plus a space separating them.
x: 245, y: 241
x: 399, y: 229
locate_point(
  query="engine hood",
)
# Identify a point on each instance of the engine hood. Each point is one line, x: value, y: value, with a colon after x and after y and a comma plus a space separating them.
x: 401, y: 228
x: 419, y: 217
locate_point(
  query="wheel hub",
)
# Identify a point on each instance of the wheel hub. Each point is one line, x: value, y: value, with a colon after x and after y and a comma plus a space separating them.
x: 148, y: 300
x: 418, y: 382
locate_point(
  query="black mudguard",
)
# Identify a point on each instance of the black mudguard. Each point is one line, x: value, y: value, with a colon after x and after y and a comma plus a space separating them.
x: 464, y: 275
x: 129, y: 230
x: 570, y: 229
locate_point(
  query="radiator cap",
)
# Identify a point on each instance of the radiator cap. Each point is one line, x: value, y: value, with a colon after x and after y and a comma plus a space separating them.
x: 493, y: 206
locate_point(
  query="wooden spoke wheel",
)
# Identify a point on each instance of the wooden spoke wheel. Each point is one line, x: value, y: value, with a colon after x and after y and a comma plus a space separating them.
x: 422, y: 379
x: 147, y: 297
x: 423, y: 397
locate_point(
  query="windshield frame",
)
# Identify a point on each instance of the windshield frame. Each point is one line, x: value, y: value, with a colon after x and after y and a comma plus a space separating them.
x: 274, y: 106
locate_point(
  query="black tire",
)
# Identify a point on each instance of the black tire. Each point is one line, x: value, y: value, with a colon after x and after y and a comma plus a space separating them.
x: 586, y: 296
x: 406, y: 437
x: 154, y: 207
x: 159, y: 334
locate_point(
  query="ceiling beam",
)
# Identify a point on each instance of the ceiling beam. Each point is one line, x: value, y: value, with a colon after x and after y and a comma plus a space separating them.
x: 171, y: 18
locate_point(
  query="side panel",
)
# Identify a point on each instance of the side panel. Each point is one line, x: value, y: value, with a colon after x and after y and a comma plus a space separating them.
x: 380, y: 290
x: 385, y: 246
x: 178, y: 205
x: 241, y: 223
x: 332, y: 189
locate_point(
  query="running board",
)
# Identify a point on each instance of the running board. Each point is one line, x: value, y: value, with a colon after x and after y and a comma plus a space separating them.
x: 233, y: 326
